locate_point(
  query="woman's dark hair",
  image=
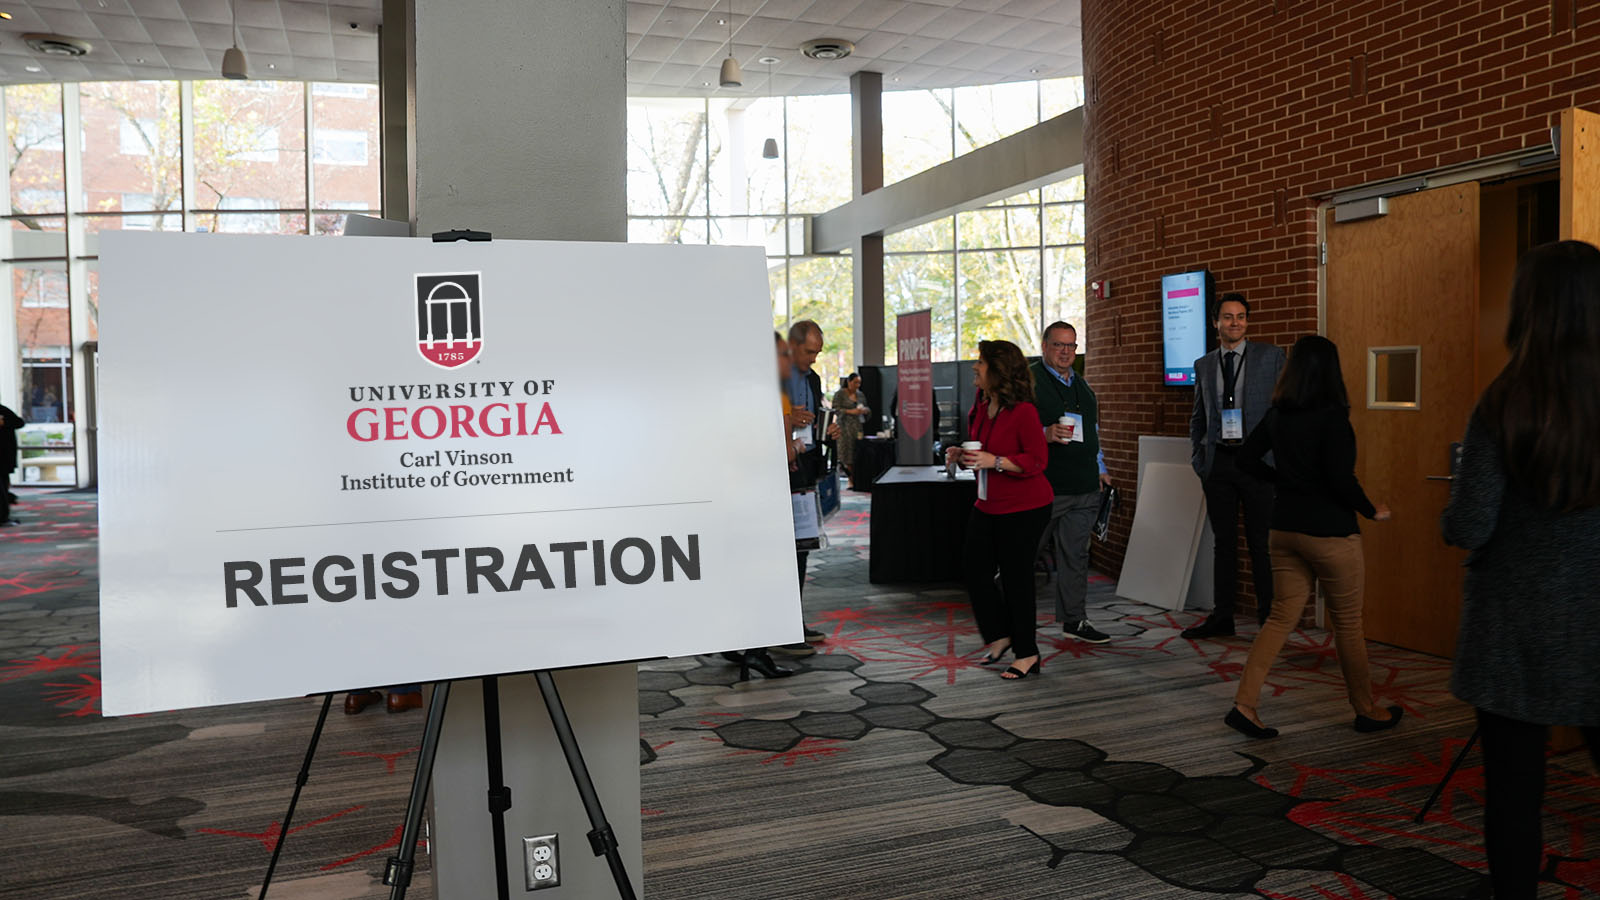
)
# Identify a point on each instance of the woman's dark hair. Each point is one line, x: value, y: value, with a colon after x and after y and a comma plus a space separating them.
x: 1311, y: 378
x: 845, y: 381
x: 1010, y: 382
x: 1543, y: 409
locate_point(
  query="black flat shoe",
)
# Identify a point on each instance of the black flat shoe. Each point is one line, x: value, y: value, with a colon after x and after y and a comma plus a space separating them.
x: 1241, y: 723
x: 1208, y: 629
x: 1367, y: 726
x: 761, y: 662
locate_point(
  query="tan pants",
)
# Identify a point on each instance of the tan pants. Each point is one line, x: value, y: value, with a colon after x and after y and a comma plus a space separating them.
x: 1298, y: 561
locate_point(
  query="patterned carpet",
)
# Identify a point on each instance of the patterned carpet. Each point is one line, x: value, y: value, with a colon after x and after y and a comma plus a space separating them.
x: 891, y: 766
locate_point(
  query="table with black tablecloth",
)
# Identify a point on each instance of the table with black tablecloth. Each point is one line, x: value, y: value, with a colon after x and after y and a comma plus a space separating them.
x: 874, y: 456
x: 919, y: 520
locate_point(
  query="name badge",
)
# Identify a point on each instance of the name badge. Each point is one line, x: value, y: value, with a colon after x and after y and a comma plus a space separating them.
x: 983, y: 484
x: 1233, y: 424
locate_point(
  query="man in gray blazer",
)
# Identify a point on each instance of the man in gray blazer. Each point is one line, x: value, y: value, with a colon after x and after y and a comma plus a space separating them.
x: 1233, y: 390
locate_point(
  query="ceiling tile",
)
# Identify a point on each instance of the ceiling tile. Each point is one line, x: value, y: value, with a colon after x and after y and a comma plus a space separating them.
x: 304, y: 16
x: 871, y: 14
x: 69, y: 22
x: 121, y: 28
x: 259, y: 13
x: 163, y: 9
x: 263, y: 40
x: 169, y: 32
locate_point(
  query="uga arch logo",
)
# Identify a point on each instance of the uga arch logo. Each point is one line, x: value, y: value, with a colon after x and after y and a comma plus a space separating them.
x: 449, y: 314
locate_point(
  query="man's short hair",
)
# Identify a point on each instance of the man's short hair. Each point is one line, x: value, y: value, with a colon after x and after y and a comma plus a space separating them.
x: 799, y: 331
x: 1058, y: 324
x: 1230, y: 298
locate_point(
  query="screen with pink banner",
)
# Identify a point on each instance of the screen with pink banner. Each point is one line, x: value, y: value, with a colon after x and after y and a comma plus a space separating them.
x: 914, y: 359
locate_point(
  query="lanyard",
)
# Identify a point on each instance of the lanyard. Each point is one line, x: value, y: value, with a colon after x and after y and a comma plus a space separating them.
x: 1076, y: 401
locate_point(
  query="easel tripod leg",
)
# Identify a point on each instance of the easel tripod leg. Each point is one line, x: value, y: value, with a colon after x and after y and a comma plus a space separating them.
x: 398, y: 873
x: 499, y: 794
x: 1438, y: 789
x: 294, y: 799
x: 602, y: 839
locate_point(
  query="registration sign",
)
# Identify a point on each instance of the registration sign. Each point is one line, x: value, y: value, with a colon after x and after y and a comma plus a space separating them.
x: 329, y: 464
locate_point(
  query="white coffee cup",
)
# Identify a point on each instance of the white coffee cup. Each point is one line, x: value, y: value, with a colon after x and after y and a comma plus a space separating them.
x: 969, y: 447
x: 1069, y: 423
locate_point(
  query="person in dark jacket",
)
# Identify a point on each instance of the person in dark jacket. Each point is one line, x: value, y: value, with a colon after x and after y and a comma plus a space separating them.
x: 1526, y: 502
x: 1314, y: 536
x: 9, y: 423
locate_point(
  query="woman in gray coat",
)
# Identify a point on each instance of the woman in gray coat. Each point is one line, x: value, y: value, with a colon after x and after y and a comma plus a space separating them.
x: 1526, y: 502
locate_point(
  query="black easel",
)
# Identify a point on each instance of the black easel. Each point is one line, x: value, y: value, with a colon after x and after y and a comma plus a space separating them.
x: 398, y: 871
x: 294, y: 799
x: 1449, y: 774
x: 602, y: 839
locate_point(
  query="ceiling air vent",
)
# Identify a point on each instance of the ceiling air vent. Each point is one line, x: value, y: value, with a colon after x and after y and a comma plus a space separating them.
x: 56, y: 45
x: 827, y: 48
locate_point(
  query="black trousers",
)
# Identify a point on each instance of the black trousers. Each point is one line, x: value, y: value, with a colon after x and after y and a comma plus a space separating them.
x: 1006, y: 542
x: 800, y: 557
x: 1513, y: 777
x: 5, y: 496
x: 1227, y: 489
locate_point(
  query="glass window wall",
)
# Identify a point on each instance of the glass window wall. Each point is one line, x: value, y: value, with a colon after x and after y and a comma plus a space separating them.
x: 697, y: 174
x: 260, y: 164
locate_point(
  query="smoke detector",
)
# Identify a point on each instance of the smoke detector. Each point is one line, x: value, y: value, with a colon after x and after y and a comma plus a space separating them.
x: 827, y: 48
x: 56, y: 45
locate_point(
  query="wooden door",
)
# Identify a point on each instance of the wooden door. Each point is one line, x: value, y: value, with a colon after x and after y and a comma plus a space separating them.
x: 1409, y: 280
x: 1580, y: 176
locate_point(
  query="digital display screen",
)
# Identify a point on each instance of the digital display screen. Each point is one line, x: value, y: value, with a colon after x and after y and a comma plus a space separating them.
x: 1184, y: 329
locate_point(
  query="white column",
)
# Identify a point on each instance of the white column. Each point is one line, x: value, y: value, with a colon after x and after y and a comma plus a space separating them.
x: 519, y: 130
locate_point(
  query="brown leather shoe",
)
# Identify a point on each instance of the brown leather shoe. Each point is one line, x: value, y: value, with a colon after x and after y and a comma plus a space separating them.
x: 356, y: 701
x: 405, y: 701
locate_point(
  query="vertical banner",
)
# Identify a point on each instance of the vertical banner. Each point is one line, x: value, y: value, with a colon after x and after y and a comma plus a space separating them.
x: 913, y: 355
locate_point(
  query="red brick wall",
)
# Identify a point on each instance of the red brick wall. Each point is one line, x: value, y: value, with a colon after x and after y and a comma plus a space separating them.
x: 1211, y: 125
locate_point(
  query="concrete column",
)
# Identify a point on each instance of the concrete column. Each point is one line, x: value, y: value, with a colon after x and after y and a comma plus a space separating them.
x: 519, y: 114
x: 397, y: 112
x: 866, y: 142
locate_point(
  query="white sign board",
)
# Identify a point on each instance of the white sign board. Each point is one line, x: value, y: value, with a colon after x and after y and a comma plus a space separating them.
x: 329, y: 464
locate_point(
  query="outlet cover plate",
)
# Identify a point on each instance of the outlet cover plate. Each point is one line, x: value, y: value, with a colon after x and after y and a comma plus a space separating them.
x: 541, y: 860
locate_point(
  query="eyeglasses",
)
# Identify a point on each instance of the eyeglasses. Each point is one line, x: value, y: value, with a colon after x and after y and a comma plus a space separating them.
x: 1063, y: 345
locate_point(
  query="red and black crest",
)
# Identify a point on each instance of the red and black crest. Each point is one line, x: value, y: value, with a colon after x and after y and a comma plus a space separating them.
x: 449, y: 316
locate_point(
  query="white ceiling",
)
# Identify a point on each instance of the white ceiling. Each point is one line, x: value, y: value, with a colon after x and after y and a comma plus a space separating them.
x: 306, y: 40
x: 674, y: 46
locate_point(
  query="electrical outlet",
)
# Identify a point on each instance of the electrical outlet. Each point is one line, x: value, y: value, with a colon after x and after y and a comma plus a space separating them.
x: 541, y: 862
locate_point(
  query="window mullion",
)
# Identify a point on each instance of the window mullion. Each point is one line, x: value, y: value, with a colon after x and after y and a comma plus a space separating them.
x: 186, y: 151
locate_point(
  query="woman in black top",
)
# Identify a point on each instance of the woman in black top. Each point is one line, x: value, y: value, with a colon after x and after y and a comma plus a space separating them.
x: 1526, y: 502
x: 1314, y: 533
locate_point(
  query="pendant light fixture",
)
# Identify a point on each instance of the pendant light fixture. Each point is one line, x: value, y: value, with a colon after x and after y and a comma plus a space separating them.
x: 769, y: 150
x: 233, y: 60
x: 731, y: 76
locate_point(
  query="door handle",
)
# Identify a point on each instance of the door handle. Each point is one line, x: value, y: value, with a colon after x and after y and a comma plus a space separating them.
x: 1440, y: 477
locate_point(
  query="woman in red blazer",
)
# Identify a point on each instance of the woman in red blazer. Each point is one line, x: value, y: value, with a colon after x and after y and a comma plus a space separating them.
x: 1013, y: 506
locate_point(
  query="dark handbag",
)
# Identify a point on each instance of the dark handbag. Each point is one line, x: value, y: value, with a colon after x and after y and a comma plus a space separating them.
x: 828, y: 493
x: 1102, y: 519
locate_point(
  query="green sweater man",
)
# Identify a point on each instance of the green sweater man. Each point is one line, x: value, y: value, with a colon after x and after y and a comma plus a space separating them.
x: 1076, y: 471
